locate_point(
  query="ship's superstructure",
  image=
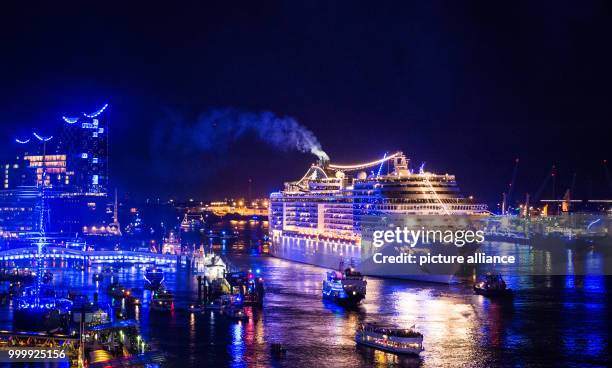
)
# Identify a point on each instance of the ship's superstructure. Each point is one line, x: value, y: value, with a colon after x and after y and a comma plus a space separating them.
x: 319, y: 218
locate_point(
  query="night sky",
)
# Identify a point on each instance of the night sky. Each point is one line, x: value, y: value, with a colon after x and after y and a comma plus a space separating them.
x: 464, y: 87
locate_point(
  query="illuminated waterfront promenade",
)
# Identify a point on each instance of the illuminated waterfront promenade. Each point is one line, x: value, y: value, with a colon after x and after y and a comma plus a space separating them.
x: 91, y: 257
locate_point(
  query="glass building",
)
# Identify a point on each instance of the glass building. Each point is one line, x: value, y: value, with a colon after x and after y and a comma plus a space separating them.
x: 19, y: 211
x: 75, y: 160
x: 84, y: 140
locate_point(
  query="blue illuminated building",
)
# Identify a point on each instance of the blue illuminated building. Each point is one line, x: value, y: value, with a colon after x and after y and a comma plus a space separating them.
x: 75, y: 160
x: 84, y: 139
x: 19, y: 211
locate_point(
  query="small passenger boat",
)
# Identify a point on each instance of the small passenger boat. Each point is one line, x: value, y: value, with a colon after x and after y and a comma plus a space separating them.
x: 390, y: 338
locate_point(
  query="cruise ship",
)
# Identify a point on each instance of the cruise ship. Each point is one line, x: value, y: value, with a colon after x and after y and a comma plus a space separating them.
x: 319, y: 219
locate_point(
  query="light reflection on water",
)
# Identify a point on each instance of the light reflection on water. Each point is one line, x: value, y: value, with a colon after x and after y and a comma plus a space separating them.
x: 552, y: 320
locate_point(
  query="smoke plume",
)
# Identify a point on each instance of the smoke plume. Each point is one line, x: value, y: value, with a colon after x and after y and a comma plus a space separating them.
x: 220, y: 127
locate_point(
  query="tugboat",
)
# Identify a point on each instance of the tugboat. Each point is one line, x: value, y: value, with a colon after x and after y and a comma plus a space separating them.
x: 154, y: 277
x: 348, y: 288
x: 246, y: 286
x: 390, y: 338
x: 162, y: 300
x: 492, y: 286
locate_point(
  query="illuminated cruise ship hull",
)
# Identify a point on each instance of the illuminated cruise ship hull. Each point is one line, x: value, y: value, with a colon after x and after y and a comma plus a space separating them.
x: 330, y: 254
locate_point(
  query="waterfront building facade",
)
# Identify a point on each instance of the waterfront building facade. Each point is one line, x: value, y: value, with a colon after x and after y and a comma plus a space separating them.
x: 72, y: 165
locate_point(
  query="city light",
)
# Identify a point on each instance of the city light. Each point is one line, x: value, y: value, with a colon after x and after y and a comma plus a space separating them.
x: 41, y: 138
x: 70, y: 120
x: 95, y: 114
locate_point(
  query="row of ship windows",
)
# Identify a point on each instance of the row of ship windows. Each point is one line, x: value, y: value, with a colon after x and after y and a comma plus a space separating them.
x: 404, y: 194
x: 330, y: 216
x: 367, y: 209
x: 433, y: 207
x: 308, y: 202
x: 415, y: 201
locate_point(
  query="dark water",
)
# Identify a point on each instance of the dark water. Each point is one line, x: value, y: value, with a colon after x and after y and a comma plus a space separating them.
x: 551, y: 321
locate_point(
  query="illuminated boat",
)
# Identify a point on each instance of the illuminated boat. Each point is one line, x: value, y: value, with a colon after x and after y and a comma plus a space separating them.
x: 192, y: 222
x: 209, y: 264
x: 102, y: 340
x: 154, y: 277
x: 196, y: 308
x: 162, y: 300
x: 118, y: 291
x: 40, y: 310
x: 223, y: 234
x: 390, y: 339
x: 348, y: 288
x: 90, y: 312
x: 246, y: 287
x: 492, y: 285
x: 324, y: 217
x: 172, y: 244
x: 45, y: 318
x: 219, y: 303
x: 235, y: 312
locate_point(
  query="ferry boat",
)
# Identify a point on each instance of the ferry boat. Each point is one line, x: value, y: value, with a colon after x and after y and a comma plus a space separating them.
x: 390, y: 338
x: 192, y: 222
x: 320, y: 219
x: 347, y: 288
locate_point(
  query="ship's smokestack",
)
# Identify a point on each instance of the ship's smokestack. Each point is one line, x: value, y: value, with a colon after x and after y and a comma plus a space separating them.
x: 323, y: 162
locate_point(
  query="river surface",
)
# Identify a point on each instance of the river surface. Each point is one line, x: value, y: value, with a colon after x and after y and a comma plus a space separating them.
x: 551, y: 321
